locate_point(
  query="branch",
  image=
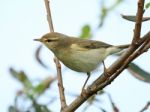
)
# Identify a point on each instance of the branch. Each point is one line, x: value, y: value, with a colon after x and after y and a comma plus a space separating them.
x: 138, y: 24
x: 60, y: 85
x: 115, y: 69
x: 49, y: 17
x: 58, y: 65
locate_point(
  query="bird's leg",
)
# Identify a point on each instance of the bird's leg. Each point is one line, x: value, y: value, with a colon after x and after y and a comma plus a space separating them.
x: 88, y: 76
x: 105, y: 70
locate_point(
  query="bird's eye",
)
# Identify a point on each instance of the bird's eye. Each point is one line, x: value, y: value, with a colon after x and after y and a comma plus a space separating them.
x: 48, y: 40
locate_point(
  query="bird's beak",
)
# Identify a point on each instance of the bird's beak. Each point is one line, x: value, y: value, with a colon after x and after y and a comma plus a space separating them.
x: 40, y: 40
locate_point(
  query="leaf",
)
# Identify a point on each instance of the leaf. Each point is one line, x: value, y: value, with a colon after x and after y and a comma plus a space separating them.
x: 103, y: 110
x: 115, y: 4
x: 44, y: 108
x: 103, y: 15
x: 147, y: 5
x: 104, y: 11
x: 22, y: 77
x: 133, y: 18
x: 12, y: 109
x: 40, y: 108
x: 145, y: 107
x: 139, y: 73
x: 86, y: 32
x: 115, y: 108
x: 93, y: 99
x: 37, y: 57
x: 43, y: 85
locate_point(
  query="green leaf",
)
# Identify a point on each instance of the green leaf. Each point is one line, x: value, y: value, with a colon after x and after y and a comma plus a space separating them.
x: 115, y: 4
x: 103, y: 110
x: 133, y: 18
x: 39, y: 107
x: 12, y: 109
x: 37, y: 57
x: 103, y: 15
x: 43, y: 85
x: 104, y: 11
x: 147, y: 5
x: 86, y: 32
x: 22, y: 77
x: 44, y: 108
x: 114, y: 107
x: 139, y: 73
x: 93, y: 98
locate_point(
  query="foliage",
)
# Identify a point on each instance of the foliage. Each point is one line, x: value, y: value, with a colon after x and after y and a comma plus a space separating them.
x: 147, y: 5
x: 86, y: 32
x: 28, y: 96
x: 139, y: 73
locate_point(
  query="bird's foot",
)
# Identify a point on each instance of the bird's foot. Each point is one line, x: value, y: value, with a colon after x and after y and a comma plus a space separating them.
x: 106, y: 73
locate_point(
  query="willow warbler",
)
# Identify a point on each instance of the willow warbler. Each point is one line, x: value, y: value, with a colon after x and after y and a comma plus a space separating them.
x: 78, y: 54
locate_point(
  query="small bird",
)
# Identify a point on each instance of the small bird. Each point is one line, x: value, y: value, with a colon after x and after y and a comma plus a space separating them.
x: 78, y: 54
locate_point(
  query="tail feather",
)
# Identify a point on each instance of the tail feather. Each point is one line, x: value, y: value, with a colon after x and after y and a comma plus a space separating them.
x: 123, y: 46
x: 115, y: 49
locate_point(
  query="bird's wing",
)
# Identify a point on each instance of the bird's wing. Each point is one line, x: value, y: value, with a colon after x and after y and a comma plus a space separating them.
x: 86, y: 45
x: 93, y: 44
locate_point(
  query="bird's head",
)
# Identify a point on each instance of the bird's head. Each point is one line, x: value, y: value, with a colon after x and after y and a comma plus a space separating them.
x: 51, y: 40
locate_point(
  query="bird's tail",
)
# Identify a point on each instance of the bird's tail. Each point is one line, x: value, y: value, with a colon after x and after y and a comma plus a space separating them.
x: 123, y: 46
x: 115, y: 49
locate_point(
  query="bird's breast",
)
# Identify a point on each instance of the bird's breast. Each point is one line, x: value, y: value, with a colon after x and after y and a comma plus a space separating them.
x: 82, y: 60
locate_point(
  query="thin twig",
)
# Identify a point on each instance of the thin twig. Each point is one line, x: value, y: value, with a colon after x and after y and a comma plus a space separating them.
x: 58, y: 65
x: 49, y: 17
x: 60, y: 85
x: 138, y: 24
x: 145, y: 107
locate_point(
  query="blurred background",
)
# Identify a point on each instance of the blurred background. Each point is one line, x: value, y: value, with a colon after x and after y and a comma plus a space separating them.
x: 27, y: 71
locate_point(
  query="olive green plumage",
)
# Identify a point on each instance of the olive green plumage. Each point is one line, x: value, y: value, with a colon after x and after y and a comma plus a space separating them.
x: 81, y: 55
